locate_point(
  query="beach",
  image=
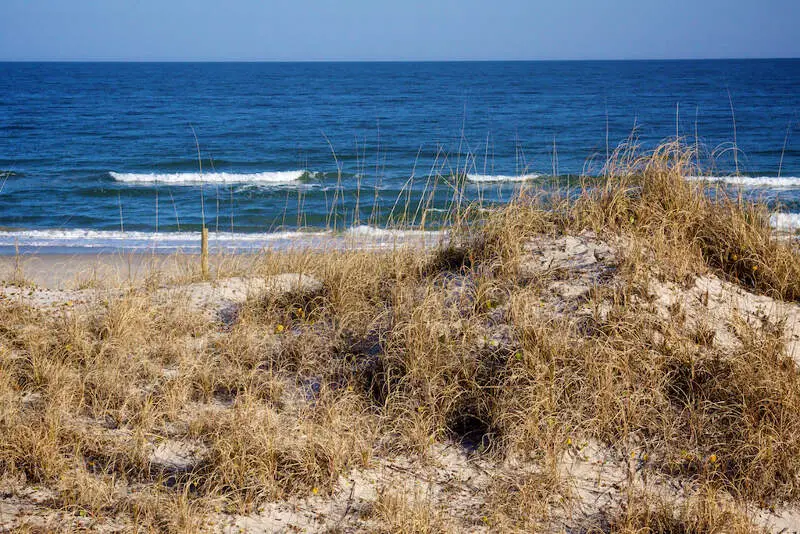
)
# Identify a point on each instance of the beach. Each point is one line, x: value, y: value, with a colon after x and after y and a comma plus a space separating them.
x: 72, y: 271
x: 601, y: 364
x: 399, y: 267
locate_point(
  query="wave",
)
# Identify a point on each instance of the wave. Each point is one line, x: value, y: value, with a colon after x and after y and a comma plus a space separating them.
x: 196, y: 178
x: 374, y: 231
x: 785, y: 221
x: 487, y: 178
x: 751, y: 181
x: 84, y: 238
x: 360, y: 237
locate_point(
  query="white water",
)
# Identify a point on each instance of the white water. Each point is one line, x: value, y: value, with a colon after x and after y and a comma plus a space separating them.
x: 487, y: 178
x: 752, y: 181
x: 785, y: 221
x: 196, y: 178
x: 374, y: 231
x: 361, y: 237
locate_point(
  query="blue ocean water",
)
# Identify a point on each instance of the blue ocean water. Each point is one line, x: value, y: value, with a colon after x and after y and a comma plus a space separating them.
x: 106, y: 154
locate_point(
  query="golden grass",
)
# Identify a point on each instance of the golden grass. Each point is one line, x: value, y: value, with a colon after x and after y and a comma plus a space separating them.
x: 702, y: 513
x: 687, y: 226
x: 402, y: 351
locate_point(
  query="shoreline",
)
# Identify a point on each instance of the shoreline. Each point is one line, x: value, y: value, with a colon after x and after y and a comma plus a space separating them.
x: 93, y: 242
x: 106, y: 269
x: 72, y: 269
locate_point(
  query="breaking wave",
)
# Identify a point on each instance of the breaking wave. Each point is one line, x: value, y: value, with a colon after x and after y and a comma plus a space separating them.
x: 752, y: 181
x: 360, y: 237
x: 785, y: 221
x: 488, y: 178
x: 196, y: 178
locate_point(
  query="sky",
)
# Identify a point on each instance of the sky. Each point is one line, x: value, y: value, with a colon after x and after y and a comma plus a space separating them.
x: 310, y: 30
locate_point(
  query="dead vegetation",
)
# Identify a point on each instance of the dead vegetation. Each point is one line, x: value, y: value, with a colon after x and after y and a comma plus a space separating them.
x: 552, y: 367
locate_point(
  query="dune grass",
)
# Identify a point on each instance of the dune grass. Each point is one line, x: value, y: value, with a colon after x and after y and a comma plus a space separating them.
x: 404, y: 351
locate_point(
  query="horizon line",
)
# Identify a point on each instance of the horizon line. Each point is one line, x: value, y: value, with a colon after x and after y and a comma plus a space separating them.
x: 457, y: 60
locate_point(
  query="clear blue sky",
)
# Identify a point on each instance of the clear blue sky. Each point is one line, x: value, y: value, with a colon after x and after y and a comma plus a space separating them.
x: 396, y: 30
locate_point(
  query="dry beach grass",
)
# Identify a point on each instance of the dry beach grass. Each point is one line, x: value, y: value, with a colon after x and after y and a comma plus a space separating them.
x: 623, y: 361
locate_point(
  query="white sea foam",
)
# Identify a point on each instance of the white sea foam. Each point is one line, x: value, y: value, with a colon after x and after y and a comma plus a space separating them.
x: 374, y: 231
x: 785, y: 221
x: 361, y: 237
x: 486, y: 178
x: 752, y: 181
x: 196, y: 178
x: 81, y: 238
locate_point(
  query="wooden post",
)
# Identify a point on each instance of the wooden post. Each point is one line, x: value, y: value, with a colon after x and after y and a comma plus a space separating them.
x: 204, y: 252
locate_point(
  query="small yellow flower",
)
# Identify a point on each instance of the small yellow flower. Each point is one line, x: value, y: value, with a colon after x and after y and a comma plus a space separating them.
x: 280, y: 328
x: 712, y: 459
x: 300, y: 312
x: 315, y: 491
x: 734, y: 257
x: 569, y: 442
x: 755, y: 267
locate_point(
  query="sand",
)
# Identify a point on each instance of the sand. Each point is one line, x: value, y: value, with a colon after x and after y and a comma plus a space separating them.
x: 55, y: 282
x: 584, y: 264
x: 72, y: 271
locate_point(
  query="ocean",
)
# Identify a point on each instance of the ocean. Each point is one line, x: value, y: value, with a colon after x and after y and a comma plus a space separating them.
x: 104, y: 156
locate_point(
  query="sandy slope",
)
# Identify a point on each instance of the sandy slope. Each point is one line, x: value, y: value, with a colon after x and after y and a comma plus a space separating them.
x: 450, y: 476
